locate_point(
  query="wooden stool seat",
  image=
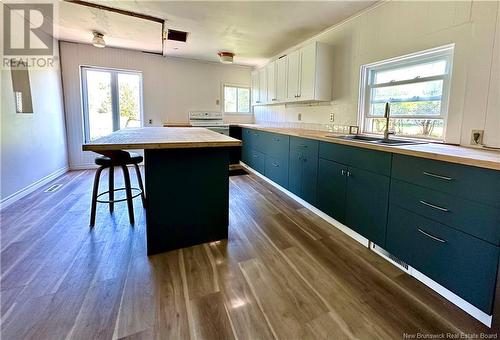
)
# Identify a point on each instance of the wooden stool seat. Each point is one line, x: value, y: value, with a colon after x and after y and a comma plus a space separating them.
x: 122, y: 159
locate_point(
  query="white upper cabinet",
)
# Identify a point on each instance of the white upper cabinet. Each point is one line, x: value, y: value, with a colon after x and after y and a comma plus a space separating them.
x: 263, y: 86
x: 293, y: 76
x: 255, y: 88
x: 281, y: 79
x: 271, y: 82
x: 305, y: 75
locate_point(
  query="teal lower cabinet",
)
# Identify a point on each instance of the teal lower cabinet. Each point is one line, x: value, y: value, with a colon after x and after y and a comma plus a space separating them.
x: 303, y: 169
x: 331, y: 189
x: 276, y: 169
x: 460, y: 262
x: 266, y: 153
x: 258, y: 161
x: 367, y: 202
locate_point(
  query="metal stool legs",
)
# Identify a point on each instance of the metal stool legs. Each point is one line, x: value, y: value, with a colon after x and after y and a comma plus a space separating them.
x: 111, y: 192
x: 141, y: 186
x: 111, y: 188
x: 128, y: 190
x: 94, y: 195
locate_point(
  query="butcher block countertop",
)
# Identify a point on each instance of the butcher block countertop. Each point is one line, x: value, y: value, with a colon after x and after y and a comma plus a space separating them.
x: 489, y: 159
x: 160, y: 138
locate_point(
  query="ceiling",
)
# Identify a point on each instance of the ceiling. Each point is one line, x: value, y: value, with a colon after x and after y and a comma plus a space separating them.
x: 254, y: 30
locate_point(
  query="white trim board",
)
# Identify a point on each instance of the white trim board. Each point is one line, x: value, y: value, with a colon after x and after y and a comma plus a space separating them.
x: 441, y: 290
x: 32, y: 187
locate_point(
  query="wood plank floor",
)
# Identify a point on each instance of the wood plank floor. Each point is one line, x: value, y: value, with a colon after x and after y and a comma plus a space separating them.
x: 284, y: 273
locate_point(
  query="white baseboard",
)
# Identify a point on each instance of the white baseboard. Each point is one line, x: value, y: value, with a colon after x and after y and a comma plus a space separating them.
x: 88, y: 166
x: 32, y: 187
x: 441, y: 290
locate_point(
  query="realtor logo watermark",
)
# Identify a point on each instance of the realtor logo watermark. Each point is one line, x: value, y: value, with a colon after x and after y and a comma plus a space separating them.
x: 28, y: 35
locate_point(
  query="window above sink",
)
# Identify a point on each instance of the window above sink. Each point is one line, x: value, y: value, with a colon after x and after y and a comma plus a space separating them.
x: 417, y: 88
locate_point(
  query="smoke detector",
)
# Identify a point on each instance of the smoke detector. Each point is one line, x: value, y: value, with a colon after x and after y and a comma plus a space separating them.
x: 98, y: 40
x: 226, y: 57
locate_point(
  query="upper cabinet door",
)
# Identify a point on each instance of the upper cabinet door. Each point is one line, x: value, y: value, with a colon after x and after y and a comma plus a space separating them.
x: 307, y: 72
x: 255, y: 87
x: 293, y: 76
x: 281, y: 78
x: 263, y: 86
x: 271, y: 82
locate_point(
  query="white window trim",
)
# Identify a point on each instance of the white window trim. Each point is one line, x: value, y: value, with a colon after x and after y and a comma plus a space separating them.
x: 114, y: 94
x: 438, y: 53
x: 223, y: 106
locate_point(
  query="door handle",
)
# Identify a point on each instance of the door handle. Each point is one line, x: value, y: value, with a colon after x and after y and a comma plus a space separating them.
x: 432, y: 236
x: 430, y: 174
x: 433, y: 206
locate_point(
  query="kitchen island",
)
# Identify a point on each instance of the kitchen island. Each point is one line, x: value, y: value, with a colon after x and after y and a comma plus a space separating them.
x: 186, y: 181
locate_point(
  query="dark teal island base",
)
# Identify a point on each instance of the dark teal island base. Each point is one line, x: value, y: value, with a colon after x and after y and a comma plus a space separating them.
x: 187, y: 197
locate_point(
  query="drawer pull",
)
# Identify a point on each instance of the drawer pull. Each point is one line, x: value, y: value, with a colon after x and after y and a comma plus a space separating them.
x: 276, y: 165
x: 432, y: 236
x: 430, y: 174
x: 434, y: 206
x: 276, y: 139
x: 302, y: 145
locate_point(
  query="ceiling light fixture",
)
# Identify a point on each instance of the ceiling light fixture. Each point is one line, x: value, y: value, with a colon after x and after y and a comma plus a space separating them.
x: 98, y: 40
x: 226, y: 57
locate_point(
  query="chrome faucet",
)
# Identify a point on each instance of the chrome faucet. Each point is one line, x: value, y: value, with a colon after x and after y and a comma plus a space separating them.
x: 387, y: 114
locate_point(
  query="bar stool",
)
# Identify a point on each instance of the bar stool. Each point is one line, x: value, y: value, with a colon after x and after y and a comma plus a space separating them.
x: 122, y: 159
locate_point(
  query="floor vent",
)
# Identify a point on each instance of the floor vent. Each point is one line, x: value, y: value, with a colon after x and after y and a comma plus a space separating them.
x: 53, y: 188
x: 389, y: 256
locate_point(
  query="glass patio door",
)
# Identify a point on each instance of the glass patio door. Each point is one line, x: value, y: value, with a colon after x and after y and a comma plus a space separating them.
x: 112, y: 100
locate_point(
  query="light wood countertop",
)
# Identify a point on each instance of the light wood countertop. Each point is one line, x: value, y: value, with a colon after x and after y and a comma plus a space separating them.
x: 161, y: 138
x: 489, y: 159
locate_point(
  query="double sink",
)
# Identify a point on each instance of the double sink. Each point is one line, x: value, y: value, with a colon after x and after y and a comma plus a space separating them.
x: 377, y: 140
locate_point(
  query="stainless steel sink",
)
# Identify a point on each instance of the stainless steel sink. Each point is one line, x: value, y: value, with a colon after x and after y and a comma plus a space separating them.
x: 377, y: 140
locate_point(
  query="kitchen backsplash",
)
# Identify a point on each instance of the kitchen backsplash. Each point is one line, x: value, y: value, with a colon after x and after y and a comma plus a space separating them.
x: 307, y: 116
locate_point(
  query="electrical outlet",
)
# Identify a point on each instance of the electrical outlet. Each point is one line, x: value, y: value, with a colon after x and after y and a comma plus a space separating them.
x: 476, y: 137
x: 299, y: 117
x: 150, y: 121
x: 217, y: 102
x: 332, y: 117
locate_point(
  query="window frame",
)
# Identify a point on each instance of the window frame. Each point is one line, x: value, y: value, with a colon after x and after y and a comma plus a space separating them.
x: 366, y: 85
x: 237, y: 86
x: 115, y: 96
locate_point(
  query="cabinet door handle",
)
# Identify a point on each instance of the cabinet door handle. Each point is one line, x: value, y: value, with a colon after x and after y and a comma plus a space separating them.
x: 433, y: 206
x: 276, y: 165
x: 430, y: 174
x: 432, y: 236
x: 343, y: 172
x: 348, y: 173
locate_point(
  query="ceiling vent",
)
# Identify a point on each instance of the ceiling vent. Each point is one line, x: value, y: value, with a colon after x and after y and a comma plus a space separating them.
x: 177, y: 35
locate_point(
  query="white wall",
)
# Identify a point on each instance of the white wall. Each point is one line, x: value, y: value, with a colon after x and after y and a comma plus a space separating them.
x: 33, y: 146
x: 171, y: 87
x: 397, y: 28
